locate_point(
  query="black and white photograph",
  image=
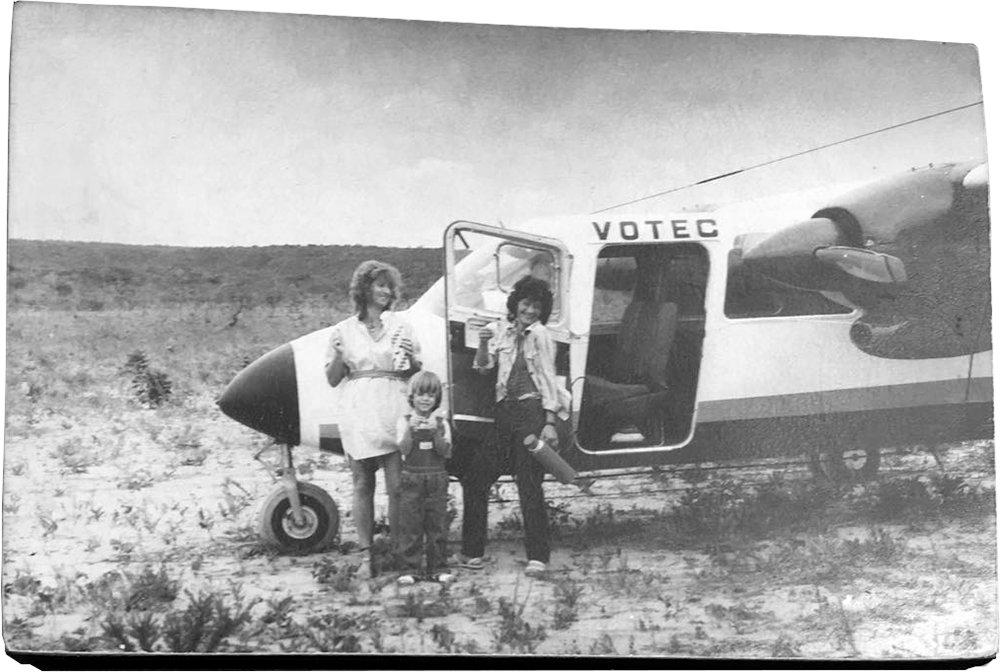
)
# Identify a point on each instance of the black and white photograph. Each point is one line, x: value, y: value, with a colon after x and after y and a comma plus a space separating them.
x: 383, y: 334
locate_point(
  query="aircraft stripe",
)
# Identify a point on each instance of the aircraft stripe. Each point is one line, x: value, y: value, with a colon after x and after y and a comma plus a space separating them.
x: 933, y: 393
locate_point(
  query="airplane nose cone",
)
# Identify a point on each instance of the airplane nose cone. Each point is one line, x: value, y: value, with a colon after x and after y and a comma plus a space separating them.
x: 788, y: 255
x: 264, y: 396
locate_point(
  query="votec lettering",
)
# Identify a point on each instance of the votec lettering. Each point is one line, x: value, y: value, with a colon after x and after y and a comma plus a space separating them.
x: 657, y: 229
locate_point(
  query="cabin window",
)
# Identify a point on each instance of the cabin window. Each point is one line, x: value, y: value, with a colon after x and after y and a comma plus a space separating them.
x: 750, y: 294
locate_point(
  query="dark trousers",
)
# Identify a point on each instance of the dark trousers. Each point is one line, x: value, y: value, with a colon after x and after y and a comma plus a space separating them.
x: 423, y: 519
x: 514, y: 421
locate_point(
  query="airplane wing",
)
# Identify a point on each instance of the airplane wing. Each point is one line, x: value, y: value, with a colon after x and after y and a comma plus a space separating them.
x: 912, y: 250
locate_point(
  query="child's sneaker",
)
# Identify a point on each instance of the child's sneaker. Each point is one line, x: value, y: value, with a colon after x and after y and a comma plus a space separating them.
x: 406, y: 580
x: 534, y: 567
x: 444, y: 577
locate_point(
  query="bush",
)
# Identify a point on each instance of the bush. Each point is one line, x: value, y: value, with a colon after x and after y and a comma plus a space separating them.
x: 728, y: 509
x: 713, y: 511
x: 152, y: 388
x: 880, y: 546
x: 203, y: 626
x: 75, y: 458
x: 341, y: 577
x: 150, y: 588
x: 567, y: 593
x: 331, y: 633
x: 515, y: 635
x: 900, y: 499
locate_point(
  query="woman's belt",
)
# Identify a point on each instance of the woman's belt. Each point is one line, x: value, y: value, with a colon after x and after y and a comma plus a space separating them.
x: 376, y: 373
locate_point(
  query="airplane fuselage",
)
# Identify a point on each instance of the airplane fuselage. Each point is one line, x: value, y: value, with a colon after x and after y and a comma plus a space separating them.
x: 755, y: 368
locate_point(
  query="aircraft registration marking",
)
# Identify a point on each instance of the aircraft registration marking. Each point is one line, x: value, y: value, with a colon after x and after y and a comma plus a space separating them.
x: 657, y: 229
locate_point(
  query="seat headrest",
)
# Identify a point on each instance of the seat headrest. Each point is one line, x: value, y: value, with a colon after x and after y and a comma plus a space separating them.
x: 644, y: 344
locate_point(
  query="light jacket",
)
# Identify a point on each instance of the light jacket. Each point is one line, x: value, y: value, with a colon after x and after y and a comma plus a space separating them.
x: 540, y: 357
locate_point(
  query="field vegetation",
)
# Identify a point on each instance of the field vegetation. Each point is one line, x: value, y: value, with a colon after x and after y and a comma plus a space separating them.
x: 105, y: 276
x: 129, y: 505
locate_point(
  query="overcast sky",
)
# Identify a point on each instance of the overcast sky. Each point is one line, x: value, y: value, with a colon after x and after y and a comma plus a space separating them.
x: 206, y: 127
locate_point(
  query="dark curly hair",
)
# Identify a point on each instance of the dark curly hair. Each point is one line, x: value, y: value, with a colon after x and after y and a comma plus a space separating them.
x: 365, y: 276
x: 534, y: 289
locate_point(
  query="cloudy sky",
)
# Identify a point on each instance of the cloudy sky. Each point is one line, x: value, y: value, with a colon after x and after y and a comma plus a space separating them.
x: 211, y: 127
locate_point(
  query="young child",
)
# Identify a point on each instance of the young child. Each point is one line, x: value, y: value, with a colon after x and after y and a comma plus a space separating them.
x: 425, y: 443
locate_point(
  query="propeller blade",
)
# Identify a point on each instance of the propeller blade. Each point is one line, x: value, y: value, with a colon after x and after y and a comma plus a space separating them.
x: 797, y: 241
x: 787, y: 255
x: 864, y: 264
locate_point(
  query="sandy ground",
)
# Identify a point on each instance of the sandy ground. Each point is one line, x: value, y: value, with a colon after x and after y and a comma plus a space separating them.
x: 86, y: 499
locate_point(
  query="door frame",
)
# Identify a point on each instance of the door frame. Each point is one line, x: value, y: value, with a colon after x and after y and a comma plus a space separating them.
x: 563, y: 262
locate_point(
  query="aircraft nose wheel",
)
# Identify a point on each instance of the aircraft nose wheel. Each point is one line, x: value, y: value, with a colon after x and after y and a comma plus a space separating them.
x: 317, y: 529
x: 845, y: 466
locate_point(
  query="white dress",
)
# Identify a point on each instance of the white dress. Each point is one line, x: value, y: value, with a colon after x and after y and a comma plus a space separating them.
x: 371, y: 404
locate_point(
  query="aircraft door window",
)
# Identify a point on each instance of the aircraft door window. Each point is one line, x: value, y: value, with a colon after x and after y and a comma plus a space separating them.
x: 486, y: 267
x: 644, y: 350
x: 483, y: 265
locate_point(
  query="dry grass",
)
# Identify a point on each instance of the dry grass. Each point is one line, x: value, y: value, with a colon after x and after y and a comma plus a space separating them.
x: 130, y: 527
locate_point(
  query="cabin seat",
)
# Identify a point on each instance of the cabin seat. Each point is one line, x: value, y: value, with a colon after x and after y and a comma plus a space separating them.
x: 635, y: 392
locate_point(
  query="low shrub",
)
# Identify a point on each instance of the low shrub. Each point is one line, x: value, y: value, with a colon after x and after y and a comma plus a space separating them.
x: 336, y: 574
x: 880, y: 546
x: 204, y: 626
x: 330, y: 633
x: 514, y: 634
x: 921, y: 497
x: 567, y: 593
x: 152, y: 388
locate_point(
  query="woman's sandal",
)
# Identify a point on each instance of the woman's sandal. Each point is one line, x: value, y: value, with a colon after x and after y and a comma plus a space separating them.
x: 472, y: 563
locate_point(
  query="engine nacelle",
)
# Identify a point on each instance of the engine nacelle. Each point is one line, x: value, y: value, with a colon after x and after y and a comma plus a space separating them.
x: 913, y: 338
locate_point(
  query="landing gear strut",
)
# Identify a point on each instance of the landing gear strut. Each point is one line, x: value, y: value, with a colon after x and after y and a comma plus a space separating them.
x: 299, y: 518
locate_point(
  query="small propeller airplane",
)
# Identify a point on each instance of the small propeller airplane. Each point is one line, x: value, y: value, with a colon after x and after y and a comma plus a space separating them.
x: 829, y: 322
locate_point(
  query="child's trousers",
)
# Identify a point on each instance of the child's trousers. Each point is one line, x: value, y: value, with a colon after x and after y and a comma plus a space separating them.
x: 423, y: 504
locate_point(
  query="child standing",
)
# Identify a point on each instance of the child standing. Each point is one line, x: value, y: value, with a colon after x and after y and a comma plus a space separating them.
x: 425, y: 443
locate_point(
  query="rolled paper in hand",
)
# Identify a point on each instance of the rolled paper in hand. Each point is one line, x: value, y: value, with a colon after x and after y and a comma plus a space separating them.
x: 549, y: 459
x: 400, y: 357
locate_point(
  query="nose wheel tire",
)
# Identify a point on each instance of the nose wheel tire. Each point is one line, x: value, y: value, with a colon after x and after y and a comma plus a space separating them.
x: 316, y: 531
x: 845, y: 466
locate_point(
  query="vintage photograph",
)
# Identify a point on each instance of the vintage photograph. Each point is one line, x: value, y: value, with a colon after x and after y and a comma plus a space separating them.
x: 401, y: 336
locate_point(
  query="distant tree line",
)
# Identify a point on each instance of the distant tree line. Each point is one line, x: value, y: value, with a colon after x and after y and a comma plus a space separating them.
x: 102, y: 276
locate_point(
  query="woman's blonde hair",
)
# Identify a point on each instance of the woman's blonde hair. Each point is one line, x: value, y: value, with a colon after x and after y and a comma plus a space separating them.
x: 425, y: 382
x: 365, y: 276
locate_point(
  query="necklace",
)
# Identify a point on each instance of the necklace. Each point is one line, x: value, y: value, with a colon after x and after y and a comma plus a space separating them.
x: 374, y: 326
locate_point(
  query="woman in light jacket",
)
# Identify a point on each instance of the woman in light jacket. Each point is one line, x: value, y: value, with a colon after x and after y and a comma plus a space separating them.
x: 528, y: 400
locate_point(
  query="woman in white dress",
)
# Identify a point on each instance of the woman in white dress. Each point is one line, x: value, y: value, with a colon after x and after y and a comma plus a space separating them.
x: 372, y: 354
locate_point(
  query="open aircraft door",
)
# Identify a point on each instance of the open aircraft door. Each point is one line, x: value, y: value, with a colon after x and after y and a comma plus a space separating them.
x: 482, y: 264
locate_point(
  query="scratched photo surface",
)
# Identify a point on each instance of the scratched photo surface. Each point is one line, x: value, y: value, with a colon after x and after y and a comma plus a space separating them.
x: 768, y: 358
